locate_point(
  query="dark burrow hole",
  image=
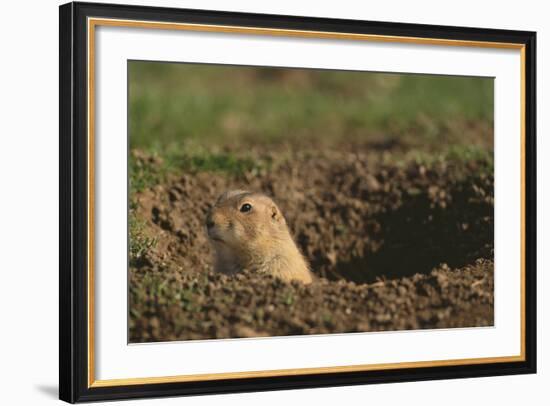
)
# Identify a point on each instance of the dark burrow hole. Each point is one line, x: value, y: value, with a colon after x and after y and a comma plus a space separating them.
x: 418, y: 236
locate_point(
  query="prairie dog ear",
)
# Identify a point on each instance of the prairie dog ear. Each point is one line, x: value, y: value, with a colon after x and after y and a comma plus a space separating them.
x: 276, y: 214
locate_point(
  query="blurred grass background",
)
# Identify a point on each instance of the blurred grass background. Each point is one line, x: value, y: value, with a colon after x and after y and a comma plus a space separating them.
x: 172, y: 104
x: 199, y: 117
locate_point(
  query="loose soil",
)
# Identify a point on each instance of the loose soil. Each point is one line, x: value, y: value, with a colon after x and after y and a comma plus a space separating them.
x: 395, y: 245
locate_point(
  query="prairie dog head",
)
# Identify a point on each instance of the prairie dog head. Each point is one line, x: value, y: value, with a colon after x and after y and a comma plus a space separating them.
x: 245, y: 221
x: 248, y: 231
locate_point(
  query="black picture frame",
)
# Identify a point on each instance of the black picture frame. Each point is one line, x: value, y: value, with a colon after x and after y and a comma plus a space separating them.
x: 73, y: 288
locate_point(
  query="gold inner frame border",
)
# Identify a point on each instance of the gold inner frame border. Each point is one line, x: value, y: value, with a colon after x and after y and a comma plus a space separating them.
x: 92, y: 23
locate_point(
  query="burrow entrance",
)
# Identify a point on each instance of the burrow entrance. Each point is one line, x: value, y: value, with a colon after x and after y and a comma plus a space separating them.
x: 419, y: 235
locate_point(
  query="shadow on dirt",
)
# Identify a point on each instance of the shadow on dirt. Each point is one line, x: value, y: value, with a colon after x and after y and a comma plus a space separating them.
x: 422, y: 234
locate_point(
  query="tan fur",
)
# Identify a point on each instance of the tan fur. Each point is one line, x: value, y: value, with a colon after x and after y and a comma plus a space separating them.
x: 257, y: 240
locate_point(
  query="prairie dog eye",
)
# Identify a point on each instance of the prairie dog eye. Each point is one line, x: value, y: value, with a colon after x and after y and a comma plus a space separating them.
x: 246, y: 208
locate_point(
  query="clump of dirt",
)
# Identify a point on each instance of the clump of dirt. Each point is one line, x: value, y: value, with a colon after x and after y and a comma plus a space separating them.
x: 372, y: 232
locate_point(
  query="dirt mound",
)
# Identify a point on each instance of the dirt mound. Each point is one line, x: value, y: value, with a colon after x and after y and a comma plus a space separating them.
x: 188, y: 305
x: 358, y: 220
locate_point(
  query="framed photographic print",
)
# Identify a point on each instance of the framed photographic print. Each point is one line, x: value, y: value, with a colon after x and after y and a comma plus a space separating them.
x: 256, y: 202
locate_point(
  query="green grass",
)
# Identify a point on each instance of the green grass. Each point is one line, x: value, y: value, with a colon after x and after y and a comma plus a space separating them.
x: 144, y: 173
x: 149, y: 170
x: 458, y: 155
x: 215, y: 118
x: 174, y: 105
x: 139, y: 241
x: 218, y: 162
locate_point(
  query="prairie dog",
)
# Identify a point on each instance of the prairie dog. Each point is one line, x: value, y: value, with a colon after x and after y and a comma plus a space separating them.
x: 248, y: 231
